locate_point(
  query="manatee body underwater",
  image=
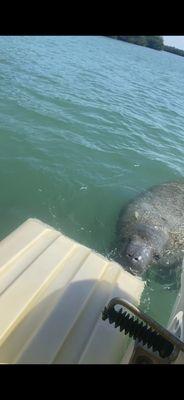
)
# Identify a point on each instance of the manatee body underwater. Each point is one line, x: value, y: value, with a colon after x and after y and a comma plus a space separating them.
x: 150, y: 230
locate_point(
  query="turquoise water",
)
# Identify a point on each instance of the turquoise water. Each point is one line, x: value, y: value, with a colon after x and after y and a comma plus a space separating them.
x: 86, y: 123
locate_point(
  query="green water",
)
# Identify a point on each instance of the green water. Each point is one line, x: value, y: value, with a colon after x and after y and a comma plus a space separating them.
x: 86, y: 123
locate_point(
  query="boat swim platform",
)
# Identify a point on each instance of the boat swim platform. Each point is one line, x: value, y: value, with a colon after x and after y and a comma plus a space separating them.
x: 52, y: 294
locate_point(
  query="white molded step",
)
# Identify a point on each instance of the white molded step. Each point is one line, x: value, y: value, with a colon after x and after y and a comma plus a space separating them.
x: 52, y: 293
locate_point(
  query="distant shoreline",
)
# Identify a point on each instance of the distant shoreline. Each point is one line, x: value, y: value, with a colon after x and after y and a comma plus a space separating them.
x: 154, y: 42
x: 174, y: 50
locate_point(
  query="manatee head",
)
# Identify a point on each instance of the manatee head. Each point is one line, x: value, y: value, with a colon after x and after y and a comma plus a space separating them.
x: 142, y: 247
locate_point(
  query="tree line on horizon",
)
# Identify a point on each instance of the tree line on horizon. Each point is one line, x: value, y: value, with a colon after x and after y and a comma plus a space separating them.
x: 154, y: 42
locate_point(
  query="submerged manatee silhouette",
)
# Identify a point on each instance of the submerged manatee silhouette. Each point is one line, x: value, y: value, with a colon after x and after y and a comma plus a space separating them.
x: 150, y: 230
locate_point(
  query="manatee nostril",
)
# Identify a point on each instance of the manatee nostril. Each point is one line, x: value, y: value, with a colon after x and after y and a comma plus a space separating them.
x: 129, y: 255
x: 133, y: 258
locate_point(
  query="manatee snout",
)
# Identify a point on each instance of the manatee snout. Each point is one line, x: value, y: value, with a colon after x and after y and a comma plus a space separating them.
x: 136, y: 256
x: 141, y: 248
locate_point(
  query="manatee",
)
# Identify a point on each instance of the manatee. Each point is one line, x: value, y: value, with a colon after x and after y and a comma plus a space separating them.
x: 150, y: 229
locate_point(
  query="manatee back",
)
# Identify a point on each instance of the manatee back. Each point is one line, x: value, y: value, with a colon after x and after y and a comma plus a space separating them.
x: 161, y: 205
x: 168, y: 200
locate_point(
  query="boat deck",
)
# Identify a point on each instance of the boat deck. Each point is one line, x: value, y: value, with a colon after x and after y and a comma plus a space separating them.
x: 52, y: 293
